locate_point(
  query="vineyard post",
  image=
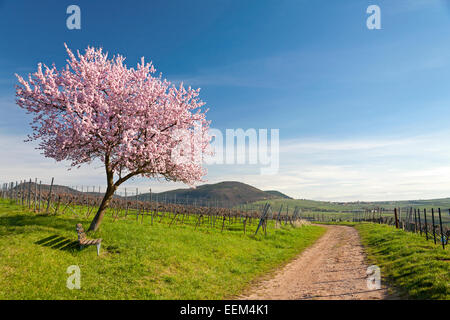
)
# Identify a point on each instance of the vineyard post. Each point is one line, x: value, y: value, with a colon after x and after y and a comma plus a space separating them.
x: 49, y: 196
x: 415, y: 221
x: 396, y: 218
x: 29, y: 194
x: 420, y: 224
x: 400, y: 220
x: 137, y: 211
x: 17, y: 193
x: 442, y: 231
x: 426, y: 223
x: 407, y: 218
x: 433, y: 227
x: 287, y: 214
x: 40, y: 188
x: 35, y: 194
x: 22, y: 191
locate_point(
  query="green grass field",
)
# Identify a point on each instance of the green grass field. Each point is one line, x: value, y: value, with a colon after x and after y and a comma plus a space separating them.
x: 137, y: 261
x: 419, y: 269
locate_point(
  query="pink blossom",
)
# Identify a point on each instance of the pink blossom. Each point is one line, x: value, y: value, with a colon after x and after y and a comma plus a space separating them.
x: 97, y: 108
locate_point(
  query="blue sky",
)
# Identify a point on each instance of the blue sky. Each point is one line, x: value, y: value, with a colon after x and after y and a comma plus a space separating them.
x: 362, y: 114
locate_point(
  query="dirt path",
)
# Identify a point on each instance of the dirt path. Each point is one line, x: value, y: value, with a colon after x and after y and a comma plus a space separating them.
x: 333, y: 268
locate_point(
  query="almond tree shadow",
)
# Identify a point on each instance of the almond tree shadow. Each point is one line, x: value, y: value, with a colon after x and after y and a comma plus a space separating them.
x: 59, y: 243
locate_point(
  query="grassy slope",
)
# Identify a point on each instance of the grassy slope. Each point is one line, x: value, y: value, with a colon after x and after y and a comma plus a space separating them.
x: 138, y: 261
x: 444, y: 204
x: 417, y: 267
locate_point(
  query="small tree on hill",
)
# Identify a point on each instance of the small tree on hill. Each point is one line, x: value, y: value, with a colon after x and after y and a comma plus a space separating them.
x: 135, y: 123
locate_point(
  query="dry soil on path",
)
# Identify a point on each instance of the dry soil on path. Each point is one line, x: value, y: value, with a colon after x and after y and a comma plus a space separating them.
x: 333, y: 268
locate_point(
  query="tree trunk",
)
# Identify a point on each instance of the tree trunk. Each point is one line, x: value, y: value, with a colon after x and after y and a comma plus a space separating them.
x: 95, y: 224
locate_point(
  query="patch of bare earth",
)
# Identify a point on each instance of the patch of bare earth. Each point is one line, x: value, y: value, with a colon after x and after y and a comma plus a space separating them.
x: 334, y: 268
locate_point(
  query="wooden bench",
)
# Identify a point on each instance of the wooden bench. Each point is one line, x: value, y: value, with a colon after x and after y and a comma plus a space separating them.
x: 83, y: 241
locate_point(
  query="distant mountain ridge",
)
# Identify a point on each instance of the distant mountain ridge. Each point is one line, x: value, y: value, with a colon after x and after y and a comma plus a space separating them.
x: 222, y: 194
x: 226, y: 193
x: 232, y: 193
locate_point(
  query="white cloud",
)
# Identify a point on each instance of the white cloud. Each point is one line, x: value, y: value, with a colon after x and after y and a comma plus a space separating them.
x: 392, y: 168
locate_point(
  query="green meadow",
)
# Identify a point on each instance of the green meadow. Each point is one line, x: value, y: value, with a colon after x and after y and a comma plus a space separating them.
x: 417, y: 268
x: 138, y: 260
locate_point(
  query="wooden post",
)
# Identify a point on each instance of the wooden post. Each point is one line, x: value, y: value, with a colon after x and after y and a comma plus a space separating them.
x: 39, y: 205
x: 415, y: 220
x: 420, y: 224
x: 442, y: 231
x: 49, y: 196
x: 22, y: 192
x: 35, y: 194
x: 137, y: 201
x: 29, y: 194
x: 426, y: 223
x: 17, y: 193
x: 432, y: 221
x: 396, y: 218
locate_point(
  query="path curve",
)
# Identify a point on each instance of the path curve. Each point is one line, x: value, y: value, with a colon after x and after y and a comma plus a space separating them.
x: 333, y: 268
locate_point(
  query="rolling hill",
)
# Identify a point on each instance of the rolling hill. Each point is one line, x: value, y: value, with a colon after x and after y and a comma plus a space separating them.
x: 278, y: 194
x: 227, y: 194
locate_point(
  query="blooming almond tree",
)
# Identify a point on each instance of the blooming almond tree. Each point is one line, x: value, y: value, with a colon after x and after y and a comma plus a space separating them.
x: 132, y: 121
